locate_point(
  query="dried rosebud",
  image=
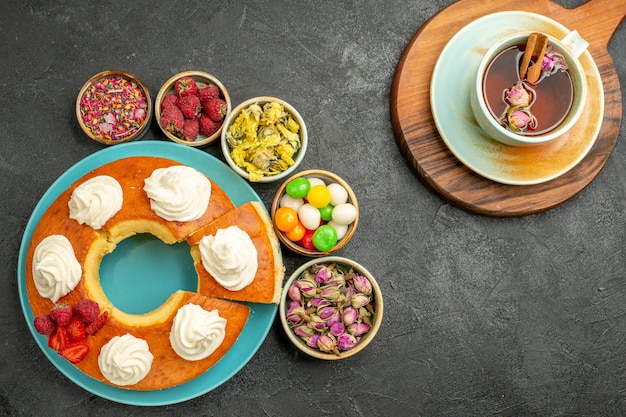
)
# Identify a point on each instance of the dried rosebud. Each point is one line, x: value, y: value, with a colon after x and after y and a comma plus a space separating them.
x: 312, y: 341
x: 317, y: 323
x: 323, y: 276
x: 520, y: 118
x: 307, y: 289
x: 330, y: 293
x: 350, y: 314
x: 362, y: 284
x: 326, y: 343
x: 359, y: 300
x: 346, y: 341
x: 294, y: 315
x: 553, y: 61
x: 326, y: 312
x: 319, y: 302
x: 517, y: 95
x: 294, y: 293
x: 337, y: 329
x: 303, y: 330
x: 358, y: 329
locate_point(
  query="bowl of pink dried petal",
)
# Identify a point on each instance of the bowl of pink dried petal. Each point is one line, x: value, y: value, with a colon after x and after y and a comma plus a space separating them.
x: 190, y: 108
x: 114, y: 107
x: 331, y: 308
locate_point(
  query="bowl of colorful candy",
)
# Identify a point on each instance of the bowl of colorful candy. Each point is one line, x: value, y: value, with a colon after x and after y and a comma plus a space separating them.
x: 114, y: 107
x: 315, y: 213
x: 190, y: 108
x: 264, y: 139
x: 331, y: 308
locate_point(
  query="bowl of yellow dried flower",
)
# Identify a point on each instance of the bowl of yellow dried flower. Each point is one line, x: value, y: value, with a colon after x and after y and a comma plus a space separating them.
x: 264, y: 139
x: 331, y: 308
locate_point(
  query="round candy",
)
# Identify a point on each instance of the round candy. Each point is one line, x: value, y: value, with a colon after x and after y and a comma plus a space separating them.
x: 285, y: 219
x: 318, y: 196
x: 307, y: 240
x: 316, y: 181
x: 342, y: 229
x: 326, y: 212
x: 296, y: 233
x: 309, y: 216
x: 344, y: 213
x: 298, y: 187
x: 288, y: 201
x: 338, y: 194
x: 324, y: 238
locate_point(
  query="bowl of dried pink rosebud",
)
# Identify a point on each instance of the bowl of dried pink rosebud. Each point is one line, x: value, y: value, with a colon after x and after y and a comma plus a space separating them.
x: 190, y: 108
x: 331, y: 308
x: 114, y: 107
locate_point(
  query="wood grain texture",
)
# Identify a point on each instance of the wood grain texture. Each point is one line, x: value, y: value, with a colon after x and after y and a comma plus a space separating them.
x: 420, y: 143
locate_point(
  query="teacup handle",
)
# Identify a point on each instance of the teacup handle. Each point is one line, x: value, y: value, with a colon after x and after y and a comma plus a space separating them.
x: 575, y: 43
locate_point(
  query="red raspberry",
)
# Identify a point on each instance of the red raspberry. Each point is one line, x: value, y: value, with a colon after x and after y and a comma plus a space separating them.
x: 44, y: 324
x: 172, y: 119
x: 168, y: 100
x: 216, y: 109
x: 208, y: 126
x: 191, y: 127
x: 61, y: 314
x: 93, y: 327
x: 87, y: 310
x: 186, y: 86
x: 190, y: 106
x: 208, y: 92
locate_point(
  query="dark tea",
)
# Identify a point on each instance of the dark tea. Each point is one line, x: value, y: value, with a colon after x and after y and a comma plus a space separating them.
x: 550, y: 99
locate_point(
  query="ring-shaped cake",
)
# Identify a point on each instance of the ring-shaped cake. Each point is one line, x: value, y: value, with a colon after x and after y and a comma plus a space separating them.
x: 234, y: 249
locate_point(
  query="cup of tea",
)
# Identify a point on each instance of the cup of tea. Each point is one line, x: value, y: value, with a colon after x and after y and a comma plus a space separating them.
x: 517, y: 112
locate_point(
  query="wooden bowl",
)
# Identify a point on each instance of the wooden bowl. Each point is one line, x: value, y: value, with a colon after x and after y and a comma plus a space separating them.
x: 114, y: 107
x: 297, y: 157
x: 376, y: 305
x: 202, y: 79
x: 328, y: 178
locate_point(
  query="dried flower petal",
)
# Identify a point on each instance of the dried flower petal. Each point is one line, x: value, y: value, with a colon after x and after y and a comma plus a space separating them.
x: 294, y: 293
x: 350, y: 315
x: 346, y: 341
x: 358, y: 329
x: 362, y: 284
x: 359, y: 300
x: 337, y: 329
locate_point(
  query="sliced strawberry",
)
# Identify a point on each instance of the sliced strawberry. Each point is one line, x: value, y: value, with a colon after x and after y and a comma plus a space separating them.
x: 59, y: 339
x: 75, y: 352
x: 93, y: 327
x: 76, y: 330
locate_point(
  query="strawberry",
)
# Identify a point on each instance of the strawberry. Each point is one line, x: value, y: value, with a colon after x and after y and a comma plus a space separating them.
x: 208, y: 92
x: 186, y: 86
x: 190, y: 106
x: 76, y: 330
x: 191, y: 128
x: 75, y: 352
x: 168, y: 100
x: 208, y: 126
x: 44, y: 324
x: 216, y: 108
x: 172, y: 119
x: 61, y: 314
x: 93, y: 327
x: 87, y: 310
x: 59, y: 339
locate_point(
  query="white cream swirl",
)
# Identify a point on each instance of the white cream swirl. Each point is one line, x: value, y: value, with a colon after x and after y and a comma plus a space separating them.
x: 178, y: 193
x: 196, y: 332
x: 96, y: 200
x: 230, y: 257
x: 125, y: 360
x: 56, y: 270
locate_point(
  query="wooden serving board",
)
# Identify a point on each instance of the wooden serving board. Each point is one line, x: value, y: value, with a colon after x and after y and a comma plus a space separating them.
x: 428, y: 156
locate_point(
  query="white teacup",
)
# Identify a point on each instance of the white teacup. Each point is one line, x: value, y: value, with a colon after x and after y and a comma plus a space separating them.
x: 570, y: 47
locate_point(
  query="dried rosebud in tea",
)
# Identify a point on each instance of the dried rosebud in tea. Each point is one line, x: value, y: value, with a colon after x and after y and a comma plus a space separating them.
x: 330, y: 307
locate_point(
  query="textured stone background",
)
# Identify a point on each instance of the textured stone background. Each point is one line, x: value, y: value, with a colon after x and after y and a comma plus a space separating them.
x: 483, y: 316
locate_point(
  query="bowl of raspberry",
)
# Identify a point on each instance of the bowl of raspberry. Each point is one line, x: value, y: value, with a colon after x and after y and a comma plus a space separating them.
x: 331, y: 308
x: 114, y: 107
x: 190, y: 108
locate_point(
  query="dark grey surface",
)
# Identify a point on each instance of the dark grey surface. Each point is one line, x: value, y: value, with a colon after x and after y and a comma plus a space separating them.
x: 484, y: 316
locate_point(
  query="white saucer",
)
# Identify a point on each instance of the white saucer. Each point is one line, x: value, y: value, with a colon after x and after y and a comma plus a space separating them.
x: 450, y: 103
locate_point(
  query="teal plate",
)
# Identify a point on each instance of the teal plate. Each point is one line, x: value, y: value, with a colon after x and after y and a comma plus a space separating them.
x: 140, y: 252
